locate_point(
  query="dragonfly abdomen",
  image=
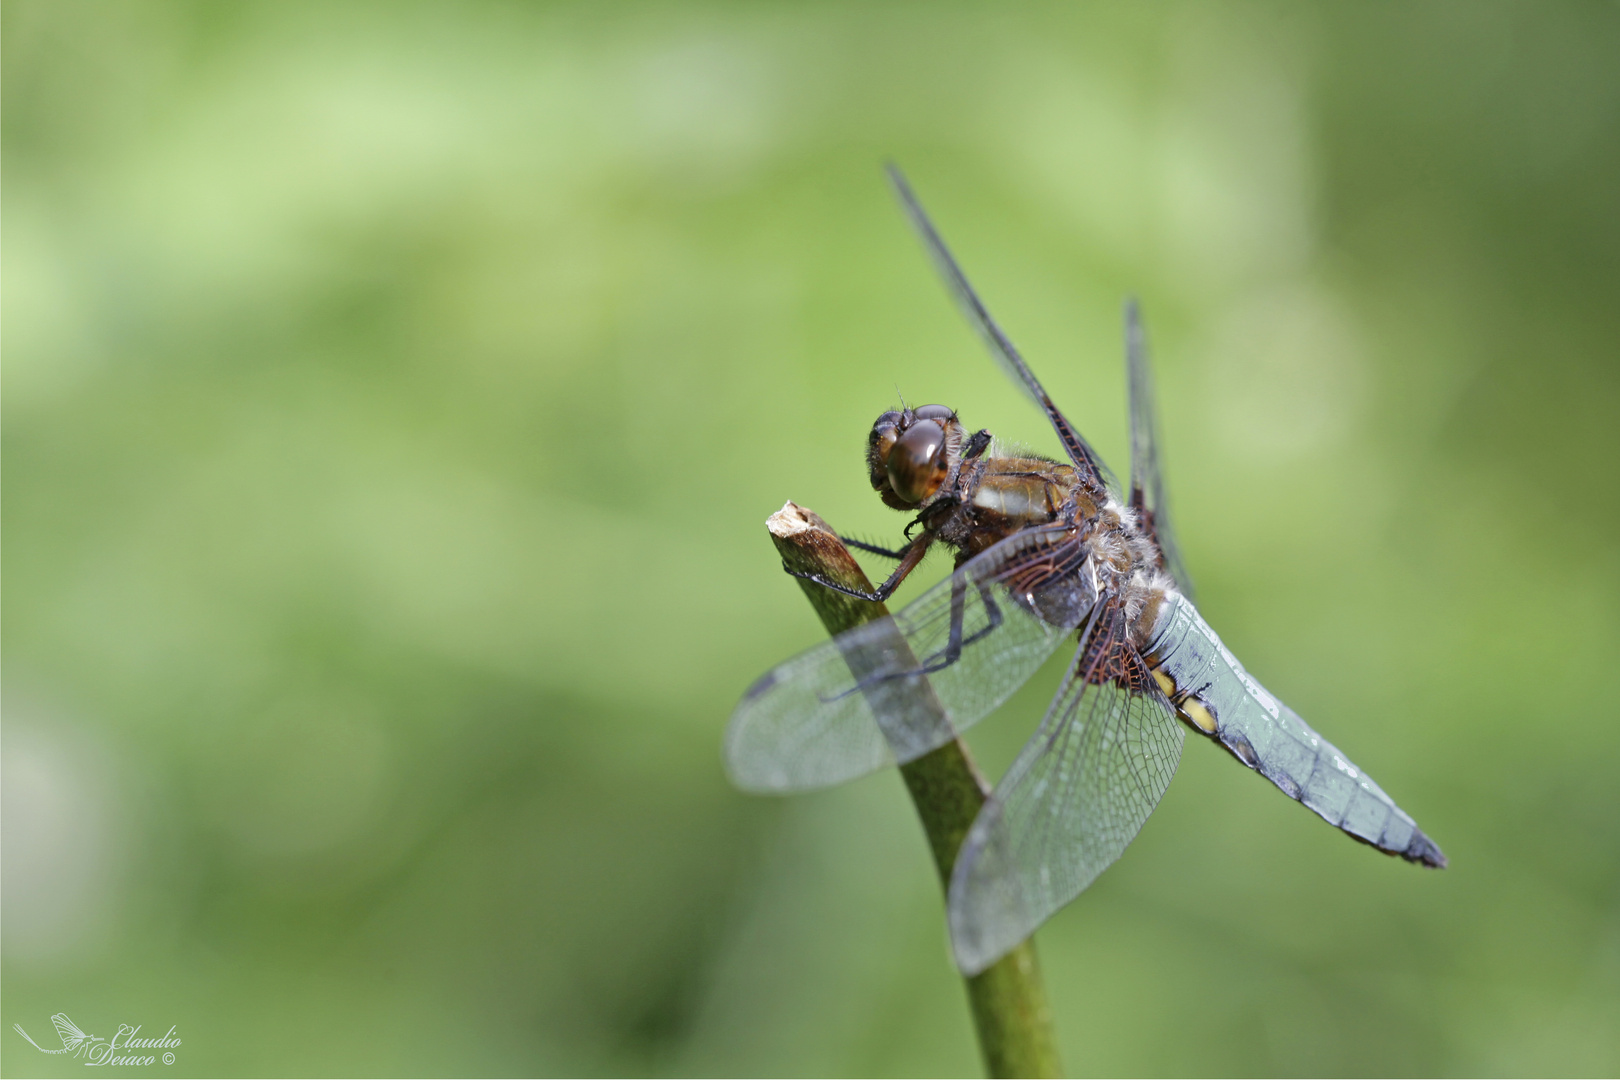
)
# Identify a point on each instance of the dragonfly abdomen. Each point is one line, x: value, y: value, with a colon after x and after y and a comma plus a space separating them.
x: 1218, y: 698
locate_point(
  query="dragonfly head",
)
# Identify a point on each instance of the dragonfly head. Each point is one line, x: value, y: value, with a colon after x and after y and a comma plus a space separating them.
x: 911, y: 453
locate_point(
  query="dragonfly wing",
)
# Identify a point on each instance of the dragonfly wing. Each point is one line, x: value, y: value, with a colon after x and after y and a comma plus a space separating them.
x: 1075, y: 798
x: 1147, y: 486
x: 1080, y: 452
x: 889, y: 691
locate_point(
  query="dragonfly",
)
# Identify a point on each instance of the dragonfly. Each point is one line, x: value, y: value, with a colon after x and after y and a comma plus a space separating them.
x: 1048, y: 552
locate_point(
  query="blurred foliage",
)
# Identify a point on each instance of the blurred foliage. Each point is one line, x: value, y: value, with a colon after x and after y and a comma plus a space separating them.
x: 394, y: 397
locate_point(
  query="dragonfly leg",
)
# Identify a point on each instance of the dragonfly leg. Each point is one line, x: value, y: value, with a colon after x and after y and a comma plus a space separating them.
x: 862, y: 545
x: 991, y: 612
x: 913, y: 555
x: 952, y: 652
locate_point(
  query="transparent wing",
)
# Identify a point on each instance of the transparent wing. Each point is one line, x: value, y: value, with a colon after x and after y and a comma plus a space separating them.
x: 1077, y: 795
x: 890, y: 691
x: 1084, y: 457
x: 68, y: 1030
x: 1147, y: 487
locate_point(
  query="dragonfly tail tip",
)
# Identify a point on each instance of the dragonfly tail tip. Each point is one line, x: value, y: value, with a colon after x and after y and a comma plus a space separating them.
x: 1423, y: 850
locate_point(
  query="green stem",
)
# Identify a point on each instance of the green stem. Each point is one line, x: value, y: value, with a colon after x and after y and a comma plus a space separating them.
x: 1008, y: 1000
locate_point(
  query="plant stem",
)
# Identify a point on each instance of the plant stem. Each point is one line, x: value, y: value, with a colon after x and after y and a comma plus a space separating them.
x: 1008, y: 1000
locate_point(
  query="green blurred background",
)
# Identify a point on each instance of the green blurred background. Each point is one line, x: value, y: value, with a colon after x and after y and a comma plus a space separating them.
x: 394, y: 397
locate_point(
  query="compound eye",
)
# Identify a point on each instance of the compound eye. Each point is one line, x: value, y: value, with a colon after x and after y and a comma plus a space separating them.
x: 917, y: 462
x: 885, y: 433
x: 936, y: 412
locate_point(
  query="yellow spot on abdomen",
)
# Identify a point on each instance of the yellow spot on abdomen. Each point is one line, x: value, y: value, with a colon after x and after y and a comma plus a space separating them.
x: 1166, y: 683
x: 1201, y: 717
x: 1192, y: 710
